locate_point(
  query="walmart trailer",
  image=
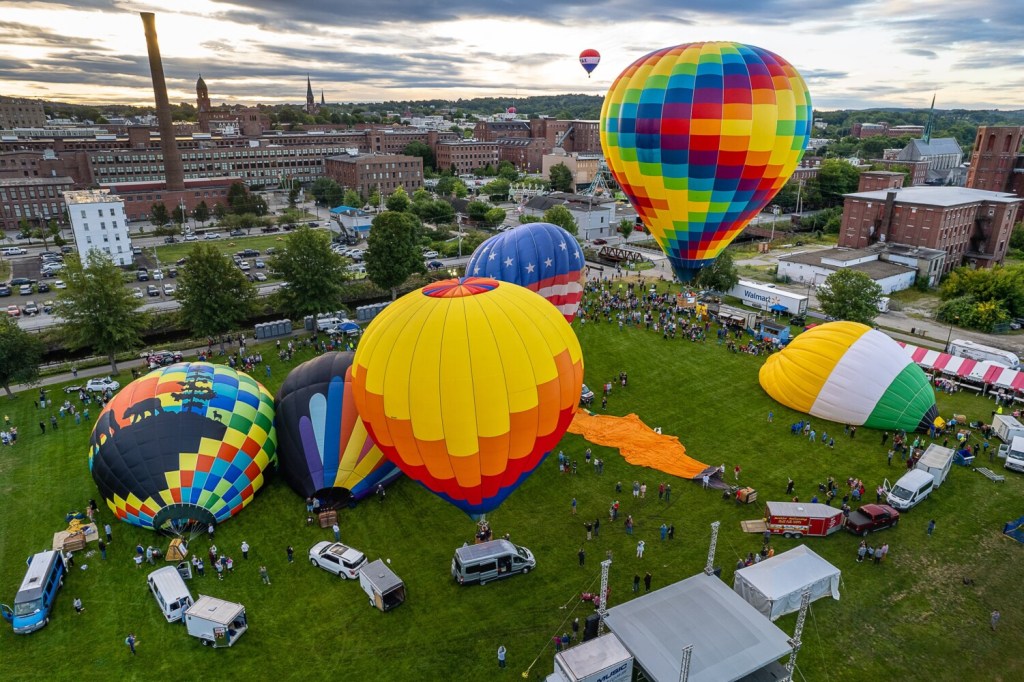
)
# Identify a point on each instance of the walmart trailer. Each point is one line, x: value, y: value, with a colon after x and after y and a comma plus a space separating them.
x: 769, y: 297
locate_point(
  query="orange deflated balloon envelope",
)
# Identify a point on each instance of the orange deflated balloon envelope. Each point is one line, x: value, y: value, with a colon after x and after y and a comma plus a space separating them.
x: 466, y: 384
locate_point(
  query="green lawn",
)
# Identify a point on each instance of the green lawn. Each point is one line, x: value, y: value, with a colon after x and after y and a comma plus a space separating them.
x: 910, y: 618
x: 168, y: 253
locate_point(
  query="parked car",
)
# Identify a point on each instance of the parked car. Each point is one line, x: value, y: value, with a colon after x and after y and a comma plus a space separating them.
x: 152, y: 290
x: 25, y: 289
x: 168, y: 290
x: 798, y: 320
x: 259, y: 263
x: 336, y: 558
x: 270, y: 250
x: 18, y: 281
x: 172, y: 272
x: 161, y: 358
x: 181, y: 261
x: 236, y: 233
x: 14, y: 251
x: 871, y: 517
x: 586, y: 395
x: 42, y: 287
x: 31, y: 308
x: 270, y: 228
x: 5, y: 290
x: 212, y: 235
x: 191, y: 238
x: 13, y: 311
x: 137, y: 250
x: 103, y: 384
x: 137, y: 293
x: 599, y: 242
x: 430, y: 253
x: 170, y: 240
x: 158, y: 274
x: 435, y: 265
x: 60, y: 284
x: 245, y: 266
x: 142, y: 275
x: 260, y: 277
x: 247, y: 253
x: 47, y: 307
x: 67, y: 249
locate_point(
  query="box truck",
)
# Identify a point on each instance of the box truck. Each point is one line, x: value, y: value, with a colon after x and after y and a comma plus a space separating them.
x: 602, y: 659
x: 1007, y: 427
x: 216, y: 622
x: 766, y: 296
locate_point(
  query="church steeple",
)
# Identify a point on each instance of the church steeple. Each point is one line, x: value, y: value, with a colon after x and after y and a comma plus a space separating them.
x: 928, y: 126
x: 310, y: 102
x: 322, y: 102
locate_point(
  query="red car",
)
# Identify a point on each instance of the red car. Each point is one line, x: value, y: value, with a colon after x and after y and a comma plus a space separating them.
x: 599, y: 242
x: 14, y: 311
x: 872, y: 517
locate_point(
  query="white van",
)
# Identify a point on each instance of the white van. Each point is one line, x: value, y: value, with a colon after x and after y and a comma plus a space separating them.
x: 325, y: 323
x: 1014, y: 455
x: 913, y: 486
x: 170, y: 592
x: 490, y: 561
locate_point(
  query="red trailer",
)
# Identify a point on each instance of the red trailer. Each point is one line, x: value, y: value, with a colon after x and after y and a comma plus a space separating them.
x: 796, y: 519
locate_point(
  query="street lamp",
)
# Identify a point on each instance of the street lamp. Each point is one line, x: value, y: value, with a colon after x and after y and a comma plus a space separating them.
x: 776, y: 209
x: 950, y: 335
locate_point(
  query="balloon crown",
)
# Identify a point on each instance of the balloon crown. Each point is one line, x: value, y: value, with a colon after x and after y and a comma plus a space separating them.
x: 459, y: 287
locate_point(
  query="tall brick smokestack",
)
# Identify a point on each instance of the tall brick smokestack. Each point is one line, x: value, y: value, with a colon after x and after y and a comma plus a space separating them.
x: 173, y: 171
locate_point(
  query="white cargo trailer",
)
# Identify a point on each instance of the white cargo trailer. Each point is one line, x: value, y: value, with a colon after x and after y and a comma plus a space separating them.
x: 765, y: 296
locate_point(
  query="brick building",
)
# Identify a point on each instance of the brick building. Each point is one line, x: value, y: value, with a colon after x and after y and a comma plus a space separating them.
x: 37, y: 200
x: 863, y: 130
x: 21, y: 113
x: 875, y: 180
x: 465, y: 157
x: 918, y: 169
x: 972, y: 226
x: 365, y: 173
x: 525, y: 153
x: 491, y: 131
x: 997, y: 162
x: 139, y: 197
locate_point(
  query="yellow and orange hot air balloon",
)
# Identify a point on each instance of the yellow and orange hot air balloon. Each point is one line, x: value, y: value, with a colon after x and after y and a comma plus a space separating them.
x: 466, y: 385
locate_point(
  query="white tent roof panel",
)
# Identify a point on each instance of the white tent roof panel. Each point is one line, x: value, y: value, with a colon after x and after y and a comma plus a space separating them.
x: 774, y: 587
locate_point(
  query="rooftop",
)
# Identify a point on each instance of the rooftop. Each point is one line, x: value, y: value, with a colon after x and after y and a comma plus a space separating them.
x: 90, y: 196
x: 943, y: 197
x: 24, y: 182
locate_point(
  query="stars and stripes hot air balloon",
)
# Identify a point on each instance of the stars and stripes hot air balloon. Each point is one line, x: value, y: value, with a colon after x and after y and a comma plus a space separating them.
x: 847, y: 372
x: 185, y: 445
x: 466, y: 384
x: 539, y: 256
x: 323, y: 447
x: 589, y: 59
x: 701, y: 137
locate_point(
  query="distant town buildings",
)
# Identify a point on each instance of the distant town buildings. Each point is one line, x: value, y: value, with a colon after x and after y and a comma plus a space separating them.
x: 366, y: 173
x: 595, y: 216
x: 943, y: 155
x: 21, y: 113
x: 863, y: 130
x: 997, y: 162
x: 466, y: 156
x: 34, y: 200
x: 98, y: 222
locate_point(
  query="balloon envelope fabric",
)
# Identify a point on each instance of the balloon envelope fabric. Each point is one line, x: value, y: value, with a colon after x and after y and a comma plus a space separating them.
x: 186, y: 443
x: 539, y: 256
x: 466, y: 384
x: 701, y: 137
x: 322, y: 444
x: 847, y: 372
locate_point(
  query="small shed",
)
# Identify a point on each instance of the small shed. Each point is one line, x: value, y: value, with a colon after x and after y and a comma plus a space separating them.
x: 774, y: 586
x: 775, y: 331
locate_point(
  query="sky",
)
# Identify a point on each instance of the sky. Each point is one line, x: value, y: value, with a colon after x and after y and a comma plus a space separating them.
x: 853, y: 53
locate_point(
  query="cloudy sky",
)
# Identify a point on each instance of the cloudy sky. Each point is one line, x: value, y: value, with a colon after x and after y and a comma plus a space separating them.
x: 853, y: 53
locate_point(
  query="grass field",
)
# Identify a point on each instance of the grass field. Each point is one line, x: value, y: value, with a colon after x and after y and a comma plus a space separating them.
x: 909, y: 618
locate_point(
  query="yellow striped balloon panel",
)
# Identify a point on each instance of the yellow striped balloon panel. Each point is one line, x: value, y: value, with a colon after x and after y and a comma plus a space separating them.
x: 849, y: 373
x: 466, y: 385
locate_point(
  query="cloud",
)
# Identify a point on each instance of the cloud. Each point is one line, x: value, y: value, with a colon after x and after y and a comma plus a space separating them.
x: 15, y: 33
x: 920, y: 52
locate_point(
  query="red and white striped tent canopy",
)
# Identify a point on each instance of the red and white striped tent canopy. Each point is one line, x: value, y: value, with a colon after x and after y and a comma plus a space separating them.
x: 985, y: 372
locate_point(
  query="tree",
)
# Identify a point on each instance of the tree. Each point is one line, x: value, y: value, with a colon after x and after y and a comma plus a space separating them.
x: 201, y: 213
x: 445, y: 186
x: 220, y: 210
x: 215, y: 295
x: 20, y: 355
x: 159, y: 215
x: 179, y: 215
x: 352, y: 199
x: 238, y: 198
x: 315, y: 275
x: 45, y: 232
x: 293, y: 196
x: 398, y: 201
x: 506, y: 171
x: 98, y: 310
x: 417, y: 148
x: 494, y: 217
x: 460, y: 189
x: 477, y: 210
x: 561, y: 178
x: 393, y: 251
x: 561, y: 216
x: 721, y: 275
x: 497, y: 189
x: 850, y: 295
x: 836, y: 178
x: 626, y: 227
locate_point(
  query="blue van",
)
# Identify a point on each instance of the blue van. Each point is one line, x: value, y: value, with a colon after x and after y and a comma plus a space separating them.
x: 38, y: 590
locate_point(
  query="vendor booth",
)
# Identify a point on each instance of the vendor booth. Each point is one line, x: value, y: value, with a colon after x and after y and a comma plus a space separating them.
x: 774, y: 586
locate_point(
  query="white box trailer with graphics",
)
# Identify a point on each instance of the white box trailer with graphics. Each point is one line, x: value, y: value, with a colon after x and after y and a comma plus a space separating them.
x: 937, y: 461
x: 765, y: 296
x: 216, y: 622
x: 602, y: 659
x: 1007, y: 427
x: 981, y: 352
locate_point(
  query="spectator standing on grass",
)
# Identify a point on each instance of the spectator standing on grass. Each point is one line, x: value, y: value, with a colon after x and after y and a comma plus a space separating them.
x: 574, y: 506
x: 668, y: 492
x: 636, y: 582
x: 264, y: 575
x: 647, y: 581
x: 291, y: 554
x: 640, y: 549
x: 736, y: 471
x: 582, y: 556
x: 994, y: 620
x: 501, y: 655
x: 245, y: 549
x: 931, y: 527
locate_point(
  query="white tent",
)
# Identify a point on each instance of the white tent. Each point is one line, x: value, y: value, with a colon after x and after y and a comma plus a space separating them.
x: 775, y: 585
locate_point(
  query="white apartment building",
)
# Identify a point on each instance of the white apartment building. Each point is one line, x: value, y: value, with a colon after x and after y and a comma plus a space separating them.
x: 98, y: 222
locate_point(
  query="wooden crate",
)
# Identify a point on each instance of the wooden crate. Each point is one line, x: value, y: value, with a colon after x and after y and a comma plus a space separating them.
x: 328, y: 518
x: 74, y: 543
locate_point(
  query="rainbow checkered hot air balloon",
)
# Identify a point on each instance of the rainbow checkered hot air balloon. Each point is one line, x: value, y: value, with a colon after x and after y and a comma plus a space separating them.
x: 466, y: 385
x: 539, y: 256
x: 849, y: 373
x: 185, y: 444
x: 701, y: 137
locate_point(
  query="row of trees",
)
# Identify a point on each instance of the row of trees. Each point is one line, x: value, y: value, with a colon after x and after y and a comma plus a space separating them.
x: 983, y: 298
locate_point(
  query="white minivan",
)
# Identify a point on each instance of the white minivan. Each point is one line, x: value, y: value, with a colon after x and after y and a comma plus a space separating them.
x: 170, y: 592
x: 913, y: 486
